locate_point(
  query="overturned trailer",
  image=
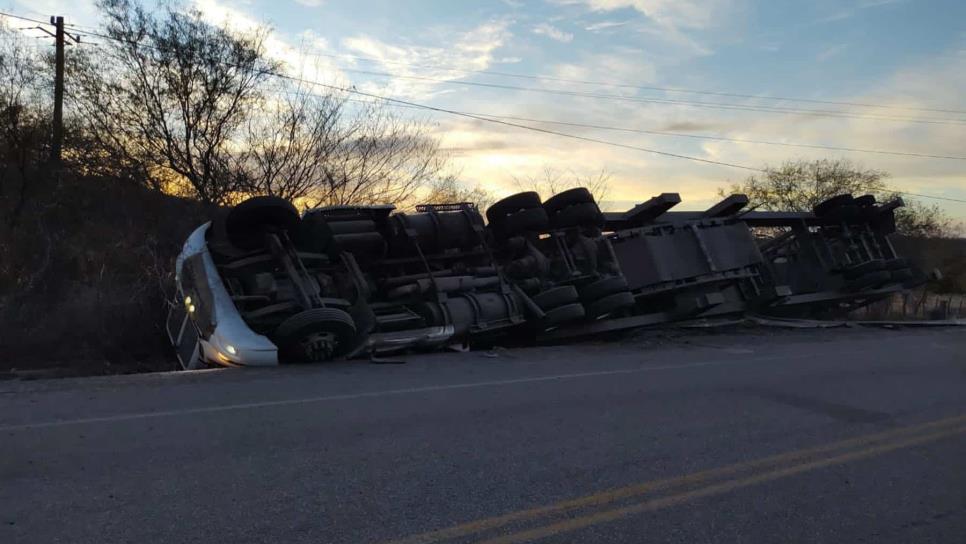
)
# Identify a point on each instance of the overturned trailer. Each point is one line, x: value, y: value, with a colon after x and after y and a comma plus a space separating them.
x: 831, y: 260
x: 836, y: 258
x: 262, y: 284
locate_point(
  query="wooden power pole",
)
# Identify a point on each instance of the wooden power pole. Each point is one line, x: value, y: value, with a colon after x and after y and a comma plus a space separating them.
x: 58, y: 141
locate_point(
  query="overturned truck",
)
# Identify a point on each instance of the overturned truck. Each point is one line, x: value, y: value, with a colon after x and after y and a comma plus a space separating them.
x: 263, y: 284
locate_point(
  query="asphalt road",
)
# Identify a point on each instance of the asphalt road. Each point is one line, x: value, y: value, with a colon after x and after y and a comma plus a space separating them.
x: 805, y: 436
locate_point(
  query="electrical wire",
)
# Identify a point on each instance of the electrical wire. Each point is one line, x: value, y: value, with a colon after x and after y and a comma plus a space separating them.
x: 610, y: 83
x: 714, y: 138
x: 713, y: 105
x: 637, y: 86
x: 22, y: 18
x: 710, y: 105
x: 352, y: 90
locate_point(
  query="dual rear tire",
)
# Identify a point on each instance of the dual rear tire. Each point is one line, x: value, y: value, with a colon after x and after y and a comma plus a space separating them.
x: 605, y: 296
x: 316, y: 335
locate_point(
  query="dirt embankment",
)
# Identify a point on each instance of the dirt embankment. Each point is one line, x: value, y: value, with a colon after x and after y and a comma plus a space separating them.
x: 84, y: 271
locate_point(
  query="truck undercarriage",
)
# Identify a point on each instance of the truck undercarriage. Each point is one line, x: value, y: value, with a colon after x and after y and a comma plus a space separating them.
x: 262, y: 284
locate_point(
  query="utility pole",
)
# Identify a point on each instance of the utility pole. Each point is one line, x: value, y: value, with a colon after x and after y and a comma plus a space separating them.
x: 58, y: 142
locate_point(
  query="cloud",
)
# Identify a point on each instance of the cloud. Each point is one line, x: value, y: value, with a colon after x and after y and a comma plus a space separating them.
x: 83, y: 12
x: 848, y: 12
x: 638, y: 175
x: 671, y: 13
x: 300, y: 54
x: 552, y: 32
x: 465, y: 51
x: 470, y: 145
x: 830, y: 52
x: 923, y: 84
x: 310, y: 3
x: 666, y: 22
x: 604, y: 25
x: 690, y: 126
x: 876, y: 3
x: 621, y: 65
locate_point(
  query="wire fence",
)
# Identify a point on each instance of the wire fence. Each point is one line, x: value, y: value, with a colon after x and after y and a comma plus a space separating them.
x: 918, y: 304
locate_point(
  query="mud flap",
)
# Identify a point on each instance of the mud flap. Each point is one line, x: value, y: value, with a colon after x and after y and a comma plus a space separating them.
x: 183, y: 336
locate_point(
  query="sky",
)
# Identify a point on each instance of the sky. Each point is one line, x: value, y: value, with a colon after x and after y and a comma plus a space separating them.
x: 909, y: 56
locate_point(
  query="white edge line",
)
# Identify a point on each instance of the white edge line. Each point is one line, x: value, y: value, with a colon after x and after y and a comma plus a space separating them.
x: 385, y: 393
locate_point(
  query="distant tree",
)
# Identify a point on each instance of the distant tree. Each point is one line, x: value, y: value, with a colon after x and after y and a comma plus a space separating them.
x: 924, y: 220
x: 552, y: 181
x: 170, y: 93
x: 799, y: 185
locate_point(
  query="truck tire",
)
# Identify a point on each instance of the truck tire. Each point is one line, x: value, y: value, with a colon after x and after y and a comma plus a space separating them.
x: 555, y: 297
x: 862, y: 269
x: 870, y: 280
x: 511, y: 204
x: 563, y: 314
x: 315, y: 335
x: 248, y: 222
x: 559, y: 201
x: 610, y: 304
x: 896, y: 264
x: 314, y: 234
x: 601, y: 288
x: 521, y: 222
x: 902, y: 275
x: 577, y: 215
x: 828, y: 205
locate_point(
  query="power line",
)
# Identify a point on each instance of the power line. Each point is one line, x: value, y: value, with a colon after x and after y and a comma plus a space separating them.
x: 639, y: 87
x: 715, y: 138
x: 736, y: 140
x: 386, y: 99
x: 38, y: 21
x: 352, y: 90
x: 552, y: 132
x: 930, y: 196
x: 710, y: 105
x: 612, y: 83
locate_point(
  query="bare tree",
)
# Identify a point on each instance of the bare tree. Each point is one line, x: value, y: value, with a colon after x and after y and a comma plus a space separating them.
x: 380, y: 158
x: 799, y: 185
x: 171, y: 92
x: 292, y: 141
x: 24, y: 125
x: 552, y: 181
x: 449, y: 189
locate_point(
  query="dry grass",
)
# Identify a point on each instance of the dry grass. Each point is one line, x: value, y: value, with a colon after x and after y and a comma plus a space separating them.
x: 84, y: 276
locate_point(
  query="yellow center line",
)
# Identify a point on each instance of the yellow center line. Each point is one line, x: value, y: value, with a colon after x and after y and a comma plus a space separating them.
x: 608, y: 496
x: 716, y: 489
